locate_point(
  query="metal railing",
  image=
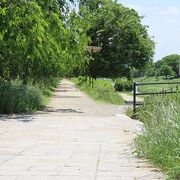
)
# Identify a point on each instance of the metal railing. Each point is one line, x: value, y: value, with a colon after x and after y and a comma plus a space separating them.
x: 163, y: 92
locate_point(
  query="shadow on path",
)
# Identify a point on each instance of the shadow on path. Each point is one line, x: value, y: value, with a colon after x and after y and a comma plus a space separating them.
x: 49, y: 109
x: 57, y: 96
x: 25, y: 118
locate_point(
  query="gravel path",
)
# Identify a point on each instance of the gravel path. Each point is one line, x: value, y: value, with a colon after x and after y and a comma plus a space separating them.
x: 74, y: 138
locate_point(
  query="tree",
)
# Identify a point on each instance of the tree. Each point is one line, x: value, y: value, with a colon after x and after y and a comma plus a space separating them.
x: 173, y: 61
x: 38, y: 40
x: 22, y: 29
x: 166, y: 71
x: 118, y: 30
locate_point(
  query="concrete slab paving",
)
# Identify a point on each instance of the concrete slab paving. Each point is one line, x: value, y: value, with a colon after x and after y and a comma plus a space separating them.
x: 74, y: 138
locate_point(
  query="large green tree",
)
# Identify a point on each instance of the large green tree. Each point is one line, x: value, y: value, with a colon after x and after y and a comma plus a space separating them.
x: 39, y: 39
x: 118, y: 30
x: 165, y: 70
x: 172, y: 61
x: 22, y: 29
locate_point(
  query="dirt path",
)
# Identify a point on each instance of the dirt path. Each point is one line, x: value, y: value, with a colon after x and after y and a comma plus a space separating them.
x: 74, y: 138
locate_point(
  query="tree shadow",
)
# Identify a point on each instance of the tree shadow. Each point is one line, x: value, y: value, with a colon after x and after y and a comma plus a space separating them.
x: 49, y: 110
x: 65, y: 90
x: 58, y: 96
x: 25, y: 118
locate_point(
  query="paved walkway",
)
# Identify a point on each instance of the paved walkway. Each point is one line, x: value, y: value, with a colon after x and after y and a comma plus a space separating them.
x: 129, y: 98
x: 74, y: 138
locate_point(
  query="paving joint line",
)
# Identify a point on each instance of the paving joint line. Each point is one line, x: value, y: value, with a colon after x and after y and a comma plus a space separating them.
x: 17, y: 154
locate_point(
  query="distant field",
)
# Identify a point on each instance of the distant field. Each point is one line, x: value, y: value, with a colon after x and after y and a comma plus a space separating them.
x: 157, y: 88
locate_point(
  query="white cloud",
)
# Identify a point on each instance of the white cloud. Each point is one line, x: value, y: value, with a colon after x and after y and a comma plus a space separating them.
x: 170, y: 11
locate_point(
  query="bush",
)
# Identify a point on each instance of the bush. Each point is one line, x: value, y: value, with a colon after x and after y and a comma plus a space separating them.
x: 160, y: 139
x: 123, y: 84
x: 18, y: 98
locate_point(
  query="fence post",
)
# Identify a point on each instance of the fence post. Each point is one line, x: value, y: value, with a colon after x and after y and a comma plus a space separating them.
x: 134, y: 97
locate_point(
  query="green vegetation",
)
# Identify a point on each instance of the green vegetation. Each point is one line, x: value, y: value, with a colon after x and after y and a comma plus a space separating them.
x: 160, y: 139
x: 130, y: 113
x: 102, y: 90
x: 123, y: 84
x: 35, y: 41
x: 47, y: 40
x: 118, y: 30
x: 168, y: 67
x: 157, y: 88
x: 166, y: 71
x: 39, y: 42
x: 16, y: 97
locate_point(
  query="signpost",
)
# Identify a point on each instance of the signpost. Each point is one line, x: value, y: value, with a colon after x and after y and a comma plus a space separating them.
x: 93, y: 49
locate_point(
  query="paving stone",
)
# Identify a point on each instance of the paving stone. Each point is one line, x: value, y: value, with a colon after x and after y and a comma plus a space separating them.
x: 74, y: 138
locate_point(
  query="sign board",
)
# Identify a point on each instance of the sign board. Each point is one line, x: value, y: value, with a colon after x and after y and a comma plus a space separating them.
x: 93, y: 49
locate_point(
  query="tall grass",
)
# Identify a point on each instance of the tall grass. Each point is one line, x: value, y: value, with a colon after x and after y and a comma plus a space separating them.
x: 16, y: 97
x: 102, y: 90
x: 160, y: 141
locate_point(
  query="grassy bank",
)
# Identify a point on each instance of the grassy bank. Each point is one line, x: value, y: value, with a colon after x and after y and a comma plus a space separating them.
x: 160, y: 141
x: 101, y: 91
x: 16, y: 97
x: 156, y: 88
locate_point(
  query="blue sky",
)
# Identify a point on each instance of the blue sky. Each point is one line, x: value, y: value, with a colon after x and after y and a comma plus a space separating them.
x: 163, y: 19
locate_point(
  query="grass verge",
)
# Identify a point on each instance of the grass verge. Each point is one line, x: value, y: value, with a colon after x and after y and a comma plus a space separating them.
x: 159, y: 87
x: 102, y: 91
x: 160, y: 141
x: 16, y: 97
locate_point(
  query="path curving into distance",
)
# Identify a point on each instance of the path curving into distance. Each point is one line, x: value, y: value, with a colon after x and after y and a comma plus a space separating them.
x: 74, y: 138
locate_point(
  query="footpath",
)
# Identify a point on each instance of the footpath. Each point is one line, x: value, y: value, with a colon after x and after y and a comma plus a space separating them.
x: 74, y: 138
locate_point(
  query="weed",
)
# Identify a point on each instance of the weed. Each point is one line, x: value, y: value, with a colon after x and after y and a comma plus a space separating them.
x: 160, y: 141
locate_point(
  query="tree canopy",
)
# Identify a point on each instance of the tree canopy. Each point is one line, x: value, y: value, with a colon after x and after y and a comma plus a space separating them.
x: 39, y: 39
x: 118, y: 30
x: 168, y: 63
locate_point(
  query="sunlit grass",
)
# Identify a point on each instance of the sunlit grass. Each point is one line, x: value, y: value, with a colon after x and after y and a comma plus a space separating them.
x: 160, y: 141
x: 102, y: 90
x: 159, y: 87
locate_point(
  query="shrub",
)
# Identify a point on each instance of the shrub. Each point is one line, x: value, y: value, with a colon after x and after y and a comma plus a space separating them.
x: 123, y: 84
x: 18, y: 98
x: 160, y: 141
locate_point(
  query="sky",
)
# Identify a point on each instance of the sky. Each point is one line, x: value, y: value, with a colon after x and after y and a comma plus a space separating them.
x: 163, y: 19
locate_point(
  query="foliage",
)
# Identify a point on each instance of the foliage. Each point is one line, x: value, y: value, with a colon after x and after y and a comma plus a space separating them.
x: 123, y: 84
x: 36, y: 41
x: 118, y: 30
x: 168, y: 65
x: 17, y: 98
x: 173, y: 62
x: 102, y: 90
x: 166, y: 71
x: 41, y: 39
x: 130, y: 113
x: 160, y: 139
